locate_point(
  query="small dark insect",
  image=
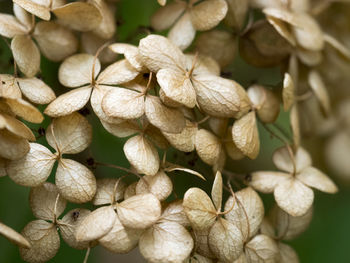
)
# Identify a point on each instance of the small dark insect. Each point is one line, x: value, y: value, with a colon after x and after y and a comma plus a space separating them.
x: 145, y: 75
x: 90, y: 161
x: 248, y: 178
x: 75, y: 215
x: 41, y: 131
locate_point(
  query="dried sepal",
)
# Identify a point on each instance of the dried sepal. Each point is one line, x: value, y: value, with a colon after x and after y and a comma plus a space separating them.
x: 106, y: 188
x: 119, y: 72
x: 267, y: 181
x: 13, y: 236
x: 208, y: 147
x: 16, y: 127
x: 231, y: 148
x: 10, y: 26
x: 287, y: 253
x: 185, y: 140
x: 36, y: 90
x: 216, y: 191
x: 318, y: 87
x: 25, y: 110
x: 175, y: 212
x: 261, y: 249
x: 160, y: 185
x: 12, y: 147
x: 183, y: 32
x: 288, y: 93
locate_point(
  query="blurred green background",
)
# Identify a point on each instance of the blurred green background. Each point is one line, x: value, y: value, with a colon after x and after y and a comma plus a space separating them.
x: 326, y: 240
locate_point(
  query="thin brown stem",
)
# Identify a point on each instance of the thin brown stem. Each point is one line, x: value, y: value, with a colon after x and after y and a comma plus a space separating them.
x: 87, y: 255
x: 118, y: 167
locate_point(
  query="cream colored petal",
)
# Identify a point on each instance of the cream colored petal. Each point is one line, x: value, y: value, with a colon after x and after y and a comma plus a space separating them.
x: 119, y: 72
x: 177, y: 87
x: 9, y: 87
x: 34, y: 8
x: 225, y: 240
x: 247, y: 213
x: 44, y: 240
x: 220, y: 97
x: 245, y: 135
x: 108, y: 26
x: 16, y: 127
x: 142, y: 155
x: 165, y: 118
x: 216, y: 191
x: 79, y: 16
x: 68, y: 225
x: 123, y: 103
x: 288, y: 92
x: 13, y: 236
x: 208, y: 14
x: 34, y: 168
x: 166, y: 16
x: 231, y: 148
x: 26, y: 54
x: 120, y: 240
x: 96, y: 224
x: 130, y: 52
x: 183, y: 32
x: 55, y: 41
x: 75, y: 182
x: 158, y: 52
x: 236, y: 13
x: 282, y: 159
x: 130, y: 190
x: 156, y: 137
x: 36, y: 90
x: 309, y: 57
x: 218, y: 44
x: 267, y: 181
x: 199, y: 209
x: 208, y: 146
x: 123, y: 129
x: 185, y: 140
x: 45, y: 202
x: 166, y: 242
x: 25, y: 110
x: 69, y: 102
x: 174, y: 212
x: 10, y: 26
x: 201, y: 238
x: 262, y: 249
x: 202, y: 65
x: 313, y: 177
x: 319, y: 88
x: 76, y: 70
x: 12, y: 147
x: 160, y: 185
x: 283, y: 29
x: 105, y: 189
x: 22, y: 15
x: 139, y: 211
x: 294, y: 197
x: 287, y: 253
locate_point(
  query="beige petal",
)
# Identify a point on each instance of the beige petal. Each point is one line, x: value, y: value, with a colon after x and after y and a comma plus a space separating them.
x: 166, y: 242
x: 236, y: 13
x: 166, y: 16
x: 245, y: 135
x: 25, y: 110
x: 313, y: 177
x: 309, y: 57
x: 208, y: 147
x: 13, y: 236
x: 287, y: 254
x: 16, y: 127
x: 318, y: 87
x: 175, y: 167
x: 120, y: 239
x: 10, y: 26
x: 156, y: 137
x: 202, y: 64
x: 34, y: 8
x: 342, y: 49
x: 79, y: 16
x: 123, y: 129
x: 199, y: 209
x: 282, y: 159
x: 119, y: 72
x: 90, y: 43
x: 283, y: 29
x: 220, y: 97
x: 216, y: 191
x: 267, y: 181
x: 247, y: 213
x: 218, y: 125
x: 75, y: 182
x: 185, y: 140
x: 34, y: 168
x: 288, y: 93
x: 177, y: 87
x: 26, y: 55
x: 225, y: 240
x: 68, y: 225
x: 36, y: 90
x: 160, y: 185
x: 262, y: 249
x: 142, y: 155
x: 123, y: 103
x: 208, y: 14
x: 44, y: 240
x: 231, y: 149
x: 55, y: 41
x: 158, y: 52
x: 201, y: 238
x: 130, y: 52
x: 183, y: 32
x: 165, y: 118
x: 12, y: 147
x: 130, y: 190
x: 45, y: 202
x: 294, y: 197
x: 139, y: 211
x: 69, y: 102
x: 108, y: 26
x: 22, y: 15
x: 9, y: 87
x: 70, y: 134
x: 220, y: 45
x: 96, y: 224
x: 76, y: 70
x: 174, y: 212
x: 105, y: 189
